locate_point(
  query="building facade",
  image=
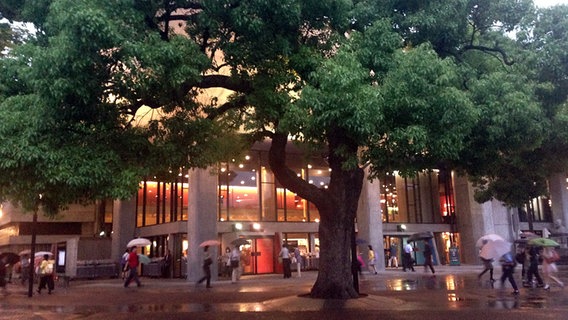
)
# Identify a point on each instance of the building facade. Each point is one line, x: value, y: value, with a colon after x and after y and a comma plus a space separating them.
x: 242, y: 199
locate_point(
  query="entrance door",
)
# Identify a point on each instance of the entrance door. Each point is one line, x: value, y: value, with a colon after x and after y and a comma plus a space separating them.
x: 259, y: 257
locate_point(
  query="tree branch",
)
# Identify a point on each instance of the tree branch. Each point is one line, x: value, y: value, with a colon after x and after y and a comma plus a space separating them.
x: 288, y: 178
x: 498, y: 50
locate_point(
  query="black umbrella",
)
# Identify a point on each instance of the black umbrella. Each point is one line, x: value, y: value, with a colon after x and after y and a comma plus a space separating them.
x: 239, y: 242
x: 421, y: 236
x: 10, y: 257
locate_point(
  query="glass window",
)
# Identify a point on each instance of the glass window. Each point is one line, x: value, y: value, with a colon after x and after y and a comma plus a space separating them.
x: 268, y: 189
x: 239, y: 190
x: 389, y: 199
x: 161, y: 202
x: 539, y: 209
x: 427, y: 197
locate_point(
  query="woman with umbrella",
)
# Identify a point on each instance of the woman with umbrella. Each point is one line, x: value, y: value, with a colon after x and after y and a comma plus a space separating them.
x: 549, y: 268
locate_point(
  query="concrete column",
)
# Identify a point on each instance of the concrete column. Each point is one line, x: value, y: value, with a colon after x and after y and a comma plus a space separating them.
x: 559, y: 196
x: 123, y: 226
x: 369, y: 222
x: 201, y: 221
x: 473, y: 219
x: 72, y: 247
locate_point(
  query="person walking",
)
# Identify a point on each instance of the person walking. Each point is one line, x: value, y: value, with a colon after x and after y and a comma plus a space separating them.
x: 298, y: 258
x: 372, y: 260
x: 132, y: 264
x: 226, y: 262
x: 3, y: 277
x: 549, y: 268
x: 487, y: 266
x: 124, y: 264
x: 393, y: 260
x: 25, y: 264
x: 166, y: 264
x: 522, y: 258
x: 235, y: 259
x: 285, y: 255
x: 508, y: 267
x: 533, y: 267
x: 428, y: 257
x: 46, y: 275
x: 407, y: 261
x: 207, y: 261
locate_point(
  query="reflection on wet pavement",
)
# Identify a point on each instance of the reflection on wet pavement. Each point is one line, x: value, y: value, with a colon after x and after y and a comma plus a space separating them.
x: 387, y: 291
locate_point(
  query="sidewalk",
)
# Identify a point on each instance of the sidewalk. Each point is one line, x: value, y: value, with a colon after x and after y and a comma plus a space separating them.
x: 454, y: 289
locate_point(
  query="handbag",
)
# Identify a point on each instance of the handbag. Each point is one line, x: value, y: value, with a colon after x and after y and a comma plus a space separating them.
x: 234, y: 263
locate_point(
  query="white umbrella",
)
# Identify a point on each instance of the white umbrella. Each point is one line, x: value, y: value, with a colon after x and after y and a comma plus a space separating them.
x: 42, y: 253
x: 209, y: 243
x: 488, y: 238
x: 138, y: 242
x: 494, y: 249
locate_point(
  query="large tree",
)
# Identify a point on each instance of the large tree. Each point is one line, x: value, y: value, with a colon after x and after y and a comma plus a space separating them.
x: 394, y: 84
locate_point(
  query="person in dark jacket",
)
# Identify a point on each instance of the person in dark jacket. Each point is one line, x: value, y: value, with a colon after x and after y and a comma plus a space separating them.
x: 534, y: 253
x: 428, y: 257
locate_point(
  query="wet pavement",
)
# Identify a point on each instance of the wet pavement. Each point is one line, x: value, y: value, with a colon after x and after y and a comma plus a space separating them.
x: 454, y: 293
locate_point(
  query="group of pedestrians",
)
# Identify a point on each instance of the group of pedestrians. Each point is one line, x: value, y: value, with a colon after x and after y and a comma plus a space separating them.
x: 529, y: 258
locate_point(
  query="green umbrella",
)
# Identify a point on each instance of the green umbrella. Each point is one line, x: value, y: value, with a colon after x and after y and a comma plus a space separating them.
x: 143, y: 259
x: 543, y: 242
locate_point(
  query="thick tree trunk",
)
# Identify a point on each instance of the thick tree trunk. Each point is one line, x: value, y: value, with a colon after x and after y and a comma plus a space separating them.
x: 335, y: 280
x: 337, y: 208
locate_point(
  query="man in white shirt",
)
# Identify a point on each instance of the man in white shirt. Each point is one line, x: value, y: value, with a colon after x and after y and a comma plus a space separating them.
x: 408, y: 262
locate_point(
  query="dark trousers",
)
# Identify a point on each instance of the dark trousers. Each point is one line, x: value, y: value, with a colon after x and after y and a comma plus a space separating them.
x: 508, y: 274
x: 132, y: 275
x: 287, y: 270
x: 46, y: 281
x: 207, y: 276
x: 407, y: 262
x: 533, y: 270
x: 428, y: 263
x: 485, y: 270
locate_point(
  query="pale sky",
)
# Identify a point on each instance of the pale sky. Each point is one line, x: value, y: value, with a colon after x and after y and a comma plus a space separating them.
x: 548, y: 3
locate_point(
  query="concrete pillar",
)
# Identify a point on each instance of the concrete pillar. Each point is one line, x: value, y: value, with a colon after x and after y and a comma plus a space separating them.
x: 201, y: 221
x: 473, y: 219
x: 72, y: 247
x: 369, y: 222
x: 559, y: 197
x: 123, y: 226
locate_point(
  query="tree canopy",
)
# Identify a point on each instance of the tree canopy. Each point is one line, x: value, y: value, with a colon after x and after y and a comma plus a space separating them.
x: 399, y: 85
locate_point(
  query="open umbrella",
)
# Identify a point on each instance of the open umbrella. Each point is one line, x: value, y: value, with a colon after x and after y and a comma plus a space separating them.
x: 144, y: 259
x: 138, y: 242
x: 488, y: 238
x: 25, y: 252
x: 524, y: 237
x: 494, y: 249
x: 239, y: 242
x: 10, y: 257
x: 40, y: 254
x: 421, y: 236
x: 543, y: 242
x: 209, y: 243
